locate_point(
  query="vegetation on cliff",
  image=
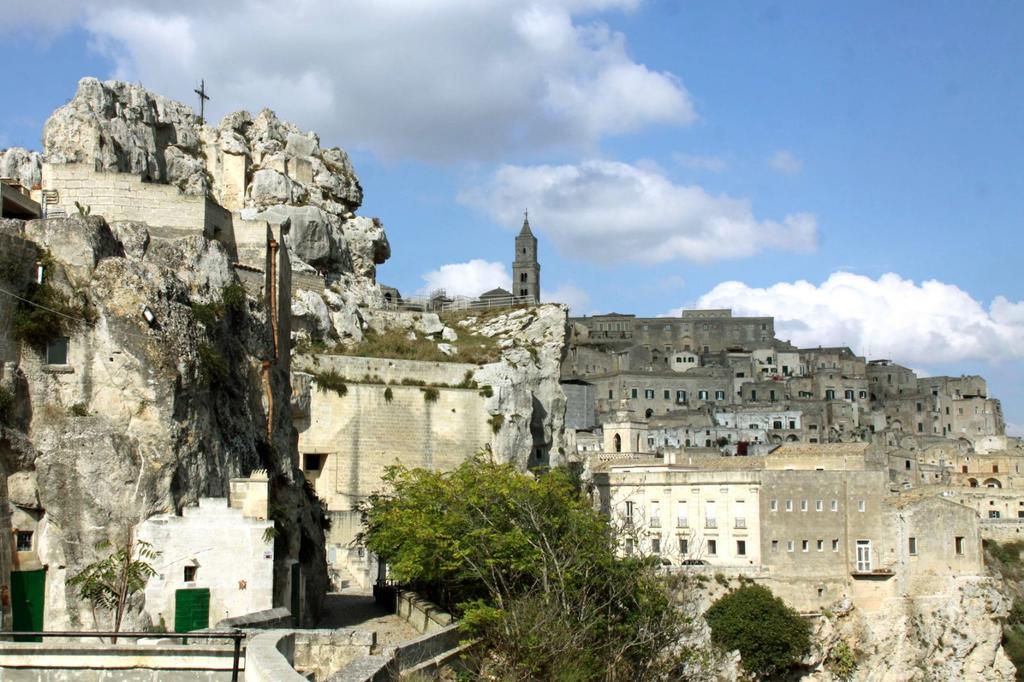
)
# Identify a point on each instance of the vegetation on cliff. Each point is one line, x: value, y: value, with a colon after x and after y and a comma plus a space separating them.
x: 770, y: 636
x: 530, y: 568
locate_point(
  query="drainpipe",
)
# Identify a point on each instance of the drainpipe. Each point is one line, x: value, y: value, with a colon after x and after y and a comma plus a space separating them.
x: 272, y: 294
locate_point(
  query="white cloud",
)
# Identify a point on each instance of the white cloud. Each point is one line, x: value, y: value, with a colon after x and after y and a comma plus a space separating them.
x: 571, y: 295
x: 714, y: 164
x: 786, y: 162
x: 611, y: 211
x: 889, y: 317
x: 440, y: 80
x: 467, y: 279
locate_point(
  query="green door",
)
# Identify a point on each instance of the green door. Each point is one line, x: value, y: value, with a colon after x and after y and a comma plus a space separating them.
x: 27, y: 590
x: 191, y: 609
x: 296, y: 593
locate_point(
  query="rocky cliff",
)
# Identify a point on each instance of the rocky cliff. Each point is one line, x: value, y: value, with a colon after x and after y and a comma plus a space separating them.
x: 146, y: 417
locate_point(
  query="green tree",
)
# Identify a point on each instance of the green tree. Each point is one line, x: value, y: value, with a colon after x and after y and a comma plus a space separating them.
x: 770, y: 636
x: 530, y: 567
x: 109, y: 583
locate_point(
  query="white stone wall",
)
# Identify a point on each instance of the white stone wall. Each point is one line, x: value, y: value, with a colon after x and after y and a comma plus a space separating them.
x: 122, y: 196
x: 232, y: 558
x: 388, y: 370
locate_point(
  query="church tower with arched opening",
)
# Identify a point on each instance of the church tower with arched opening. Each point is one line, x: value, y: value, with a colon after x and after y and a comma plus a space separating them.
x: 525, y: 268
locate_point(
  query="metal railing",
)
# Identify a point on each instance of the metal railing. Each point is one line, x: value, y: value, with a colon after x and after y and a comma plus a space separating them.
x: 710, y: 523
x: 655, y: 522
x: 682, y: 522
x: 236, y: 635
x: 741, y: 523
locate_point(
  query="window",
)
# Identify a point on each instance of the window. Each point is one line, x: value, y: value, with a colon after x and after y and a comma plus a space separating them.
x: 23, y: 541
x: 719, y: 395
x: 906, y: 464
x: 848, y: 394
x: 655, y: 520
x: 771, y: 396
x: 993, y: 514
x: 803, y: 505
x: 702, y: 395
x: 712, y: 547
x: 629, y: 547
x: 830, y: 394
x: 313, y: 462
x: 741, y: 548
x: 864, y: 394
x: 629, y: 512
x: 753, y: 396
x: 522, y: 277
x: 656, y: 545
x: 912, y: 546
x: 804, y: 545
x: 959, y: 544
x: 684, y: 546
x: 789, y: 505
x: 863, y: 556
x: 789, y: 545
x: 649, y: 393
x: 861, y: 505
x: 710, y: 515
x: 821, y: 545
x: 835, y: 505
x: 775, y: 545
x: 680, y: 396
x: 835, y: 545
x: 819, y: 505
x: 668, y: 394
x: 633, y: 392
x: 777, y: 424
x: 774, y: 505
x: 190, y: 574
x: 995, y: 468
x: 57, y: 351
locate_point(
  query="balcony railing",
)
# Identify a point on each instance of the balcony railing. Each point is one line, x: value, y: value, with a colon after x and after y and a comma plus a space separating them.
x: 741, y: 523
x: 655, y: 523
x: 682, y: 522
x: 710, y: 523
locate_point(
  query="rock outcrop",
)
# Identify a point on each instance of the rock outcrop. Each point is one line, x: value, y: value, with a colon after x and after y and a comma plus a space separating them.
x: 22, y: 165
x: 148, y: 417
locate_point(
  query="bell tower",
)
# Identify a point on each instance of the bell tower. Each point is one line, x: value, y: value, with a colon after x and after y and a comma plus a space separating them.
x: 525, y: 268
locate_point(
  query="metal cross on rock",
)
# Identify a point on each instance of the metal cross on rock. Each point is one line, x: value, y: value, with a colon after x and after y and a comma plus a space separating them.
x: 201, y: 91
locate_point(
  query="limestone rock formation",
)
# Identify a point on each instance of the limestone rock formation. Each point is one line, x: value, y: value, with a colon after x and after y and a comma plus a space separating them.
x: 22, y: 165
x: 122, y: 127
x: 149, y: 417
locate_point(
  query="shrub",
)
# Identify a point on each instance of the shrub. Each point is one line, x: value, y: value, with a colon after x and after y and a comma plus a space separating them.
x: 721, y: 579
x: 486, y: 391
x: 78, y: 410
x: 496, y: 421
x: 1013, y: 646
x: 842, y: 661
x: 467, y: 380
x: 6, y: 404
x: 1016, y: 616
x: 388, y: 395
x: 46, y: 314
x: 234, y: 299
x: 331, y: 381
x: 430, y: 394
x: 770, y: 636
x: 212, y: 365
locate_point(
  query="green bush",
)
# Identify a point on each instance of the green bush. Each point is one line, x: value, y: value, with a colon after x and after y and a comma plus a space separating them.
x: 770, y: 636
x: 388, y: 395
x: 486, y: 391
x: 331, y: 381
x: 212, y: 365
x: 78, y: 410
x: 842, y: 661
x: 496, y: 421
x: 430, y: 394
x: 1016, y: 616
x: 1013, y: 646
x: 6, y: 404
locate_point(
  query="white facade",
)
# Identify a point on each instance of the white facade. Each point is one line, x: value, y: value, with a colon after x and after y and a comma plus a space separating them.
x: 217, y: 547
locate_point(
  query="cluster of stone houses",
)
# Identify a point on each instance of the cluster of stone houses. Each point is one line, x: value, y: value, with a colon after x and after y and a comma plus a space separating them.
x: 819, y: 523
x: 708, y: 379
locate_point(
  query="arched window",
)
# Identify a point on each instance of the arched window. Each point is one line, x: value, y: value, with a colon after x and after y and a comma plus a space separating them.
x: 973, y: 482
x: 618, y: 445
x: 992, y: 483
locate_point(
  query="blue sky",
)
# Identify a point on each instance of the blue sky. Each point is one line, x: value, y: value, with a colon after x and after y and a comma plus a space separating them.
x: 671, y: 153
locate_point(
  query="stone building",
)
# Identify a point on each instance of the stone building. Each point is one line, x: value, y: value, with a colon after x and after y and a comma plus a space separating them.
x: 817, y: 523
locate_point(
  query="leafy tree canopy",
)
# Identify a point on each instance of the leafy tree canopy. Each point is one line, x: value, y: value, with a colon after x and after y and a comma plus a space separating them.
x: 770, y: 636
x: 530, y: 567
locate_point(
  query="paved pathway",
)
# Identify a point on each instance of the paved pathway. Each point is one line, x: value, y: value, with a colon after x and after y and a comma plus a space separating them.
x: 355, y: 608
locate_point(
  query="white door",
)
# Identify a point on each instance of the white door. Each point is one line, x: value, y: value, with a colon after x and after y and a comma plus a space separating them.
x: 863, y: 556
